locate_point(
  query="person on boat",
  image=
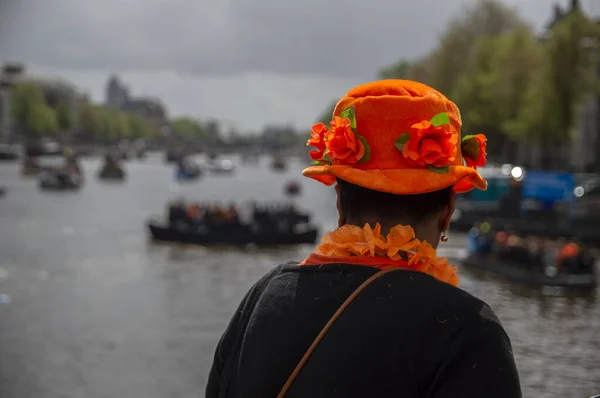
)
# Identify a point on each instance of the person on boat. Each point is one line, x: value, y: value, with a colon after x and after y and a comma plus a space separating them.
x: 394, y: 150
x: 568, y: 257
x: 473, y: 238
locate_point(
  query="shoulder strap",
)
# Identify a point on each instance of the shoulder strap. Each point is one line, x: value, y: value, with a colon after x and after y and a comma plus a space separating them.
x: 326, y: 328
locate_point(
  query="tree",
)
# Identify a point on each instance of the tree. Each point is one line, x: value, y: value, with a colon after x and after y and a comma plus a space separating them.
x: 64, y: 117
x: 400, y: 70
x: 460, y: 40
x: 187, y: 128
x: 28, y: 108
x: 493, y: 90
x: 89, y: 121
x: 567, y: 77
x: 443, y: 67
x: 138, y: 127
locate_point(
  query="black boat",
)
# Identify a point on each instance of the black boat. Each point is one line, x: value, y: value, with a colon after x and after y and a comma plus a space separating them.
x: 111, y: 174
x: 111, y: 170
x: 60, y: 180
x: 237, y: 236
x: 531, y: 260
x: 7, y: 153
x: 522, y: 272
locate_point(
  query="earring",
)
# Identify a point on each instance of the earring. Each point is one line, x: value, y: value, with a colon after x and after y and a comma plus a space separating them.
x: 444, y: 237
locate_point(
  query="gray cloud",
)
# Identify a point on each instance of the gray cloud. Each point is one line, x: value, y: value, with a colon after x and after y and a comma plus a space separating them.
x: 212, y: 37
x: 245, y: 62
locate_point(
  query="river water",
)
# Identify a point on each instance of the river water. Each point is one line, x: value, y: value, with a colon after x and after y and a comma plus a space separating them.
x: 89, y: 307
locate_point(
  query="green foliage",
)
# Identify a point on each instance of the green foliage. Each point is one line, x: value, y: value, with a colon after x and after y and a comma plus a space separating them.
x: 400, y: 70
x: 507, y: 82
x: 493, y: 91
x: 568, y: 75
x: 29, y: 110
x: 192, y: 129
x: 64, y: 117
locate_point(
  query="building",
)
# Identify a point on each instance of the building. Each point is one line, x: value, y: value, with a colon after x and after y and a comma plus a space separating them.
x: 151, y: 109
x: 117, y: 94
x: 9, y: 74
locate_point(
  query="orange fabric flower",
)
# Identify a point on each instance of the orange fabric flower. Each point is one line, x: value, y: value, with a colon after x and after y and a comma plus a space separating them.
x: 430, y: 145
x: 376, y: 244
x: 342, y: 143
x: 400, y: 238
x: 443, y: 271
x: 423, y: 257
x: 343, y: 241
x: 352, y: 241
x: 480, y: 158
x: 317, y: 140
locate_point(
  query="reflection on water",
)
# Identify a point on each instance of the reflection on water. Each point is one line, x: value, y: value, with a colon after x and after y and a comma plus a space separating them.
x: 90, y: 308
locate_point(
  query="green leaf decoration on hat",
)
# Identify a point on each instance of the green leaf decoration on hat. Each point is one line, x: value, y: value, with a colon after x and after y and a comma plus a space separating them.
x: 367, y: 154
x: 440, y: 119
x: 469, y: 147
x: 403, y: 139
x: 326, y: 157
x: 348, y: 113
x: 439, y: 170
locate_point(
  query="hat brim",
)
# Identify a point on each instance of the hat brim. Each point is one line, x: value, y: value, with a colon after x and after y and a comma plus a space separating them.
x: 401, y: 181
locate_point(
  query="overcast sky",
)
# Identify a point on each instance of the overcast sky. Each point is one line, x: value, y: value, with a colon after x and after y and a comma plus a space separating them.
x: 247, y: 62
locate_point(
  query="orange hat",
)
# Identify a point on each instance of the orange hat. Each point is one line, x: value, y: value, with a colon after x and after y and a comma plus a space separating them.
x: 397, y: 136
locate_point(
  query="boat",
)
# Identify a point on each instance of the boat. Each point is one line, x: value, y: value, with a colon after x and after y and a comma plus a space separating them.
x: 8, y: 153
x: 60, y: 180
x: 292, y: 188
x: 187, y: 171
x: 545, y: 204
x: 235, y: 236
x: 111, y: 170
x: 278, y: 164
x: 523, y: 273
x: 31, y: 167
x: 531, y: 260
x: 209, y: 225
x: 225, y: 166
x: 114, y: 173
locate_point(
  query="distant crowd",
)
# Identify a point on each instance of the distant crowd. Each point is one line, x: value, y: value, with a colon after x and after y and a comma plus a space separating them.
x: 566, y: 255
x: 194, y: 215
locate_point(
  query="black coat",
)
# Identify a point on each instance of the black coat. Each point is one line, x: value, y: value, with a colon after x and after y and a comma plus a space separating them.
x: 406, y: 335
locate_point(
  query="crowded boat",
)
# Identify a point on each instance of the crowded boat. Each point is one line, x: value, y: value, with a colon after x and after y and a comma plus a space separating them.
x: 204, y: 223
x: 68, y: 176
x: 532, y: 259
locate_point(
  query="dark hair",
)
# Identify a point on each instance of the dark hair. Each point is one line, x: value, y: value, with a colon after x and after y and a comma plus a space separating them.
x: 358, y: 203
